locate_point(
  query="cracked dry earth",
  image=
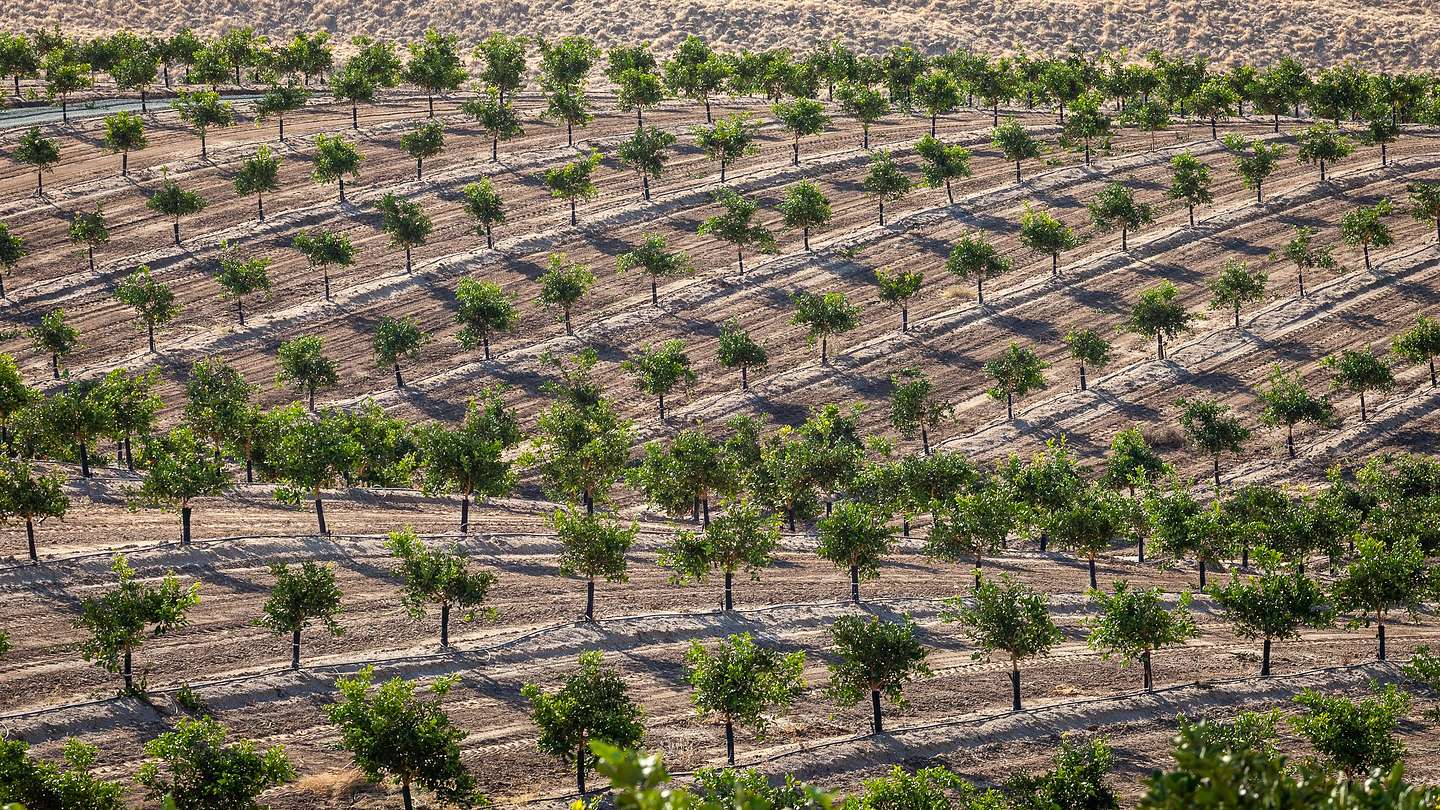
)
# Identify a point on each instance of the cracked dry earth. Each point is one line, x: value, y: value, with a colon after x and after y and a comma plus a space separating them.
x: 960, y: 714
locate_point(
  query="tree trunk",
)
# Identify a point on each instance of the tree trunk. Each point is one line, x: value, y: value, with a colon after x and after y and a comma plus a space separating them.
x: 729, y: 597
x: 30, y: 538
x: 150, y: 334
x: 590, y: 599
x: 854, y: 582
x: 730, y: 741
x: 805, y: 237
x: 55, y: 365
x: 1265, y: 659
x: 1159, y: 346
x: 465, y: 514
x: 924, y: 440
x: 1082, y: 376
x: 1124, y: 239
x: 1364, y: 417
x: 744, y: 379
x: 127, y: 669
x: 1009, y: 406
x: 249, y: 470
x: 1017, y: 171
x: 320, y: 515
x: 1322, y: 171
x: 129, y: 459
x: 654, y: 292
x: 405, y: 793
x: 1192, y: 216
x: 354, y: 116
x: 882, y: 213
x: 1093, y: 584
x: 125, y: 163
x: 84, y: 460
x: 445, y: 625
x: 580, y: 767
x: 89, y: 252
x: 568, y: 329
x: 980, y: 290
x: 342, y: 190
x: 572, y: 211
x: 824, y: 351
x: 1055, y: 263
x: 185, y: 525
x: 1380, y: 635
x: 295, y: 649
x: 282, y: 129
x: 978, y: 564
x: 399, y: 381
x: 875, y: 721
x: 1149, y: 681
x: 1014, y: 685
x: 1141, y: 555
x: 904, y: 319
x: 662, y: 407
x: 175, y: 230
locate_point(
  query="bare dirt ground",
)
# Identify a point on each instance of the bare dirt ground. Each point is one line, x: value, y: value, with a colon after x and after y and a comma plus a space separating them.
x: 1389, y: 35
x: 959, y: 715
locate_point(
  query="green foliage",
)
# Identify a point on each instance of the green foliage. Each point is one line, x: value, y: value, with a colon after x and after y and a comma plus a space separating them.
x: 1255, y: 160
x: 482, y: 309
x: 1420, y: 343
x: 1359, y: 371
x: 1115, y: 207
x: 591, y: 545
x: 855, y: 536
x: 259, y: 174
x: 203, y: 110
x: 800, y: 117
x: 1288, y: 403
x: 1017, y: 372
x: 1190, y: 181
x: 36, y: 783
x: 152, y: 299
x: 742, y: 681
x: 302, y: 363
x: 1274, y: 604
x: 1015, y: 143
x: 119, y: 621
x: 391, y: 732
x: 34, y: 149
x: 645, y: 152
x: 1355, y: 736
x: 563, y: 284
x: 805, y: 206
x: 216, y: 396
x: 933, y: 788
x: 1088, y: 347
x: 1364, y: 227
x: 397, y: 339
x: 593, y: 705
x: 580, y: 444
x: 1077, y: 782
x: 974, y: 522
x: 405, y: 222
x: 178, y: 469
x: 125, y: 132
x: 1043, y: 233
x: 914, y: 408
x: 1322, y: 143
x: 654, y: 258
x: 737, y: 224
x: 442, y: 576
x: 1381, y: 579
x: 975, y: 259
x: 574, y: 180
x: 195, y: 768
x: 1236, y: 286
x: 659, y: 370
x: 434, y: 65
x: 425, y: 141
x: 1159, y: 314
x: 874, y: 656
x: 305, y: 454
x: 863, y: 103
x: 738, y: 349
x: 885, y: 181
x: 472, y: 457
x: 1132, y: 462
x: 942, y: 163
x: 742, y: 538
x: 824, y: 315
x: 496, y: 117
x: 335, y: 159
x: 1132, y: 622
x: 302, y: 595
x: 1005, y: 616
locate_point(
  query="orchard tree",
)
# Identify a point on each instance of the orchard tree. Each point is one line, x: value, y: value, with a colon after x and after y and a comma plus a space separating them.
x: 800, y: 117
x: 1419, y: 344
x: 425, y: 141
x: 656, y: 260
x: 573, y: 181
x: 130, y: 404
x: 30, y: 495
x: 580, y: 445
x: 1304, y: 254
x: 737, y: 226
x: 974, y: 259
x: 353, y: 85
x: 636, y: 89
x: 1009, y: 617
x: 40, y: 783
x: 1365, y: 227
x: 727, y: 140
x: 1090, y: 522
x: 74, y: 417
x: 301, y: 596
x: 742, y: 682
x: 335, y: 158
x: 496, y: 118
x: 12, y: 250
x: 1190, y: 182
x: 593, y: 705
x: 391, y: 732
x: 1358, y: 372
x: 441, y: 576
x: 470, y: 458
x: 434, y: 66
x: 1425, y: 203
x: 54, y: 336
x: 203, y: 110
x: 1042, y: 232
x: 306, y: 454
x: 1357, y: 737
x: 855, y: 536
x: 482, y: 309
x: 1381, y: 130
x: 1159, y: 314
x: 1236, y: 286
x: 685, y: 475
x: 885, y: 181
x: 805, y: 207
x: 1209, y: 427
x: 242, y: 275
x: 152, y: 300
x: 943, y: 164
x: 64, y: 76
x: 1115, y: 207
x: 407, y: 224
x: 696, y: 72
x: 485, y: 207
x: 824, y: 315
x: 216, y: 396
x: 303, y: 364
x: 1383, y: 579
x: 1288, y: 403
x: 1016, y: 373
x: 322, y: 248
x: 739, y: 350
x: 645, y: 152
x: 278, y: 100
x: 503, y: 60
x: 742, y: 538
x: 592, y: 546
x: 194, y: 767
x: 874, y: 657
x: 36, y: 150
x: 658, y: 371
x: 973, y: 523
x: 120, y: 621
x: 1321, y: 144
x: 178, y: 469
x: 175, y: 202
x: 564, y: 284
x: 88, y: 229
x: 896, y: 289
x: 863, y: 103
x: 1273, y: 605
x: 914, y: 407
x: 1148, y: 116
x: 1087, y: 348
x: 937, y: 93
x: 569, y: 104
x: 1134, y: 622
x: 1015, y: 143
x: 125, y: 133
x: 1087, y: 122
x: 1215, y: 99
x: 397, y: 339
x: 1255, y: 160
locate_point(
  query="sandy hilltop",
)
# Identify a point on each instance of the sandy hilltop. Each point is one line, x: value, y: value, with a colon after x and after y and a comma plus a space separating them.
x: 1388, y: 34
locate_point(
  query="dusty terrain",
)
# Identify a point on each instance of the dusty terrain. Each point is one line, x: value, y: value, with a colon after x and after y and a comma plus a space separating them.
x: 1390, y: 34
x: 960, y: 714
